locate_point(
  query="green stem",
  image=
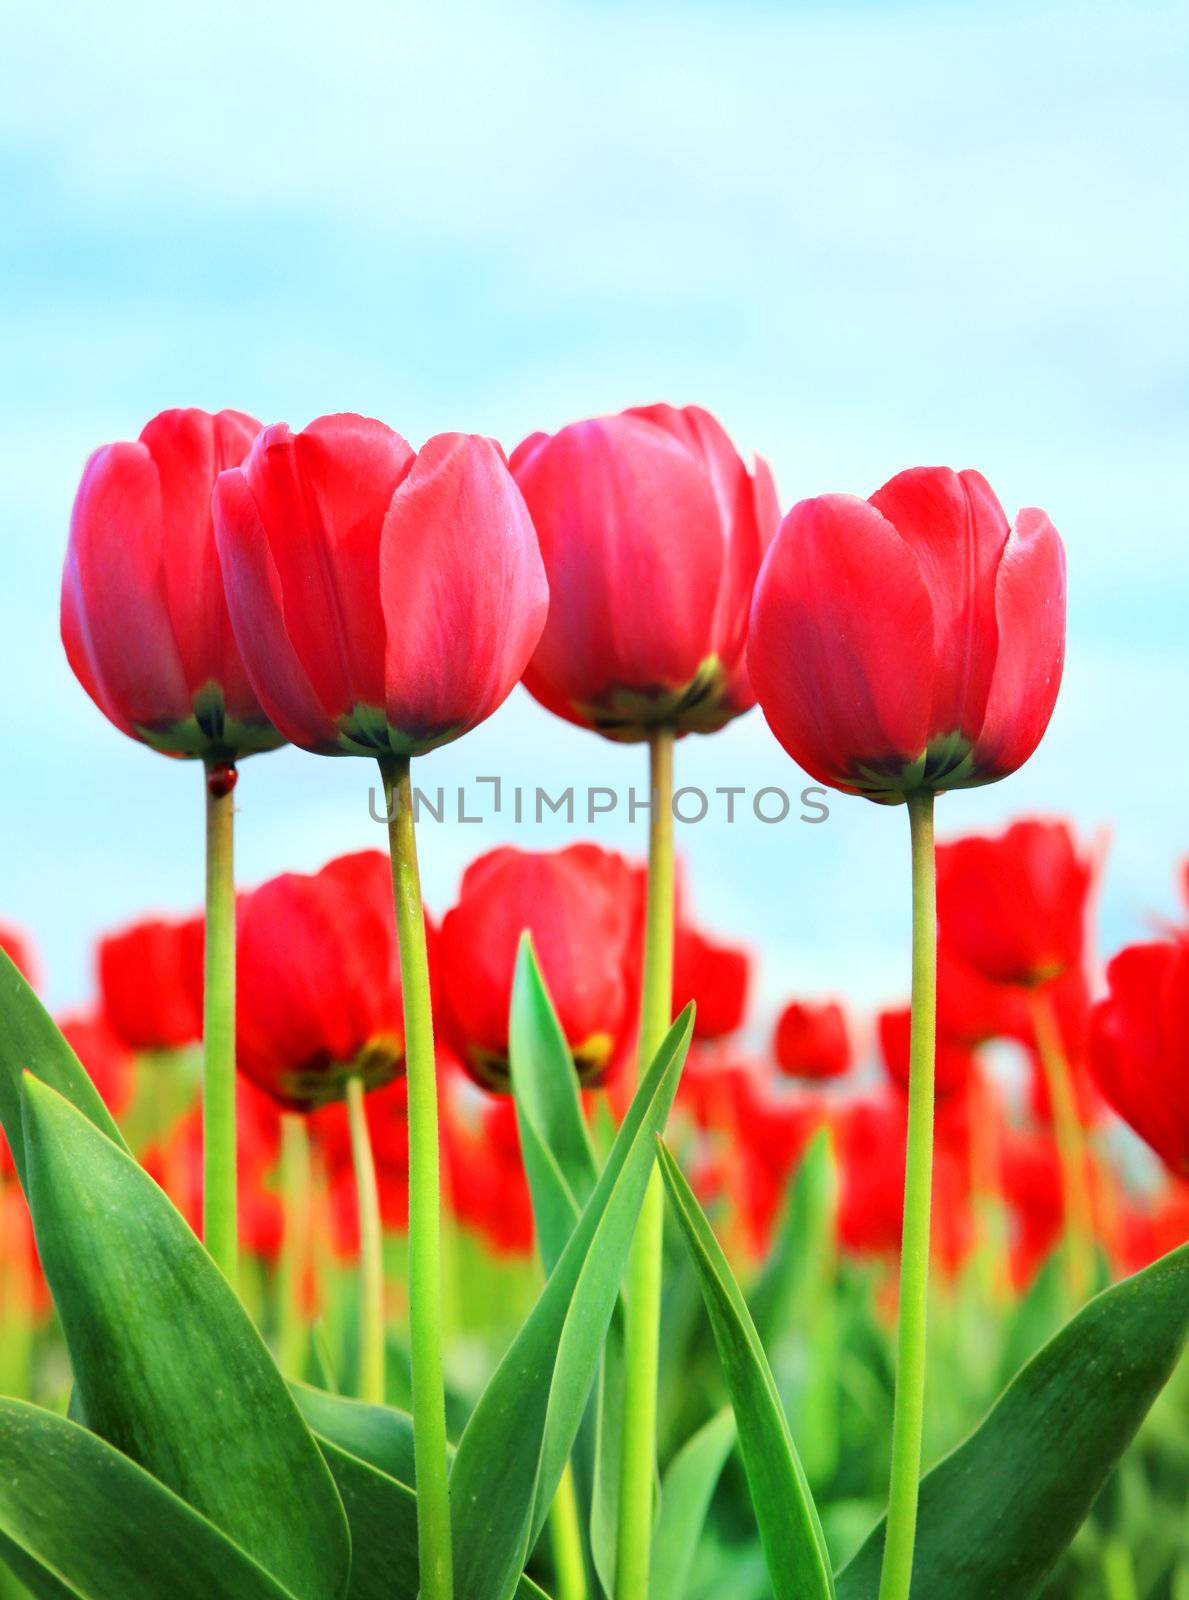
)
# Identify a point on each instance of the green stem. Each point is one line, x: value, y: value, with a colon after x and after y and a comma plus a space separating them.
x: 565, y: 1531
x: 425, y: 1221
x: 642, y: 1329
x: 908, y: 1415
x: 371, y: 1249
x: 219, y: 1221
x: 1118, y: 1571
x: 1071, y: 1146
x: 295, y: 1244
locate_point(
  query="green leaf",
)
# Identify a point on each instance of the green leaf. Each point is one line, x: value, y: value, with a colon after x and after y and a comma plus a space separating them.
x: 558, y: 1157
x: 77, y: 1518
x: 30, y: 1042
x: 685, y: 1499
x: 996, y: 1514
x: 515, y: 1446
x: 562, y: 1171
x: 807, y: 1220
x: 380, y: 1435
x: 794, y: 1546
x: 382, y: 1511
x: 167, y: 1364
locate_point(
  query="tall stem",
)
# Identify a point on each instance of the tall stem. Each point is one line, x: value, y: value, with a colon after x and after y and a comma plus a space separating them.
x: 1071, y: 1145
x: 642, y: 1330
x: 219, y: 1225
x: 566, y: 1535
x: 907, y: 1421
x: 425, y: 1221
x: 296, y: 1208
x: 371, y: 1249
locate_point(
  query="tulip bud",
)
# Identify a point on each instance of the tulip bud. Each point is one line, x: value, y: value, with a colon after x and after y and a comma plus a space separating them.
x: 1139, y: 1045
x: 652, y: 531
x: 144, y: 618
x: 318, y: 995
x: 579, y: 905
x: 812, y: 1041
x: 385, y: 600
x: 911, y: 641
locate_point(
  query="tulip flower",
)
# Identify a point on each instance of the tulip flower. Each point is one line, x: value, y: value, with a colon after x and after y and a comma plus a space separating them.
x: 387, y: 601
x: 954, y: 1061
x: 579, y: 905
x: 652, y: 531
x: 150, y: 984
x: 320, y: 1017
x: 910, y: 641
x: 144, y: 619
x: 1014, y: 906
x: 899, y: 647
x: 1139, y: 1045
x: 146, y: 629
x: 715, y: 976
x: 812, y: 1040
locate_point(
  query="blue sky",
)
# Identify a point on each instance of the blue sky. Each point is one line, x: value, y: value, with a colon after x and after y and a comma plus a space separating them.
x: 867, y: 237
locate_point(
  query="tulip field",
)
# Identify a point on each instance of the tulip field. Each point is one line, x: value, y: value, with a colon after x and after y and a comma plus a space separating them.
x: 353, y: 1248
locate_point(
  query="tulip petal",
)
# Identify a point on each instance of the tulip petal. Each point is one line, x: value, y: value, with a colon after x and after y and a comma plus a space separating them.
x: 462, y: 588
x: 1030, y: 614
x: 189, y: 449
x: 322, y: 495
x: 115, y: 621
x: 257, y: 611
x: 841, y: 653
x: 956, y: 528
x: 632, y: 540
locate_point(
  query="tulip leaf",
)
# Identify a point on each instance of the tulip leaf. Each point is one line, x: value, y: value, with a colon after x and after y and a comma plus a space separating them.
x: 167, y: 1364
x: 382, y: 1510
x: 805, y: 1226
x: 516, y: 1444
x: 997, y: 1513
x: 380, y: 1435
x: 688, y: 1488
x: 31, y: 1042
x: 79, y: 1519
x: 562, y: 1171
x: 558, y: 1157
x: 794, y: 1546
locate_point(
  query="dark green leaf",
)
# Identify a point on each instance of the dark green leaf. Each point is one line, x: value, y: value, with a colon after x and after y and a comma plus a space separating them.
x: 380, y: 1435
x: 794, y: 1546
x: 685, y: 1499
x: 77, y: 1518
x: 167, y: 1364
x: 996, y: 1514
x: 383, y: 1515
x: 516, y: 1444
x: 30, y: 1042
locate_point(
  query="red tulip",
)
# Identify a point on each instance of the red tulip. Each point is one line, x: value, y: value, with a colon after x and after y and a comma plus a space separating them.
x: 19, y: 949
x: 971, y: 1009
x: 1014, y: 906
x: 318, y: 982
x: 150, y: 983
x: 144, y: 619
x: 652, y: 531
x: 1139, y: 1045
x: 715, y: 976
x: 812, y: 1040
x: 386, y: 600
x: 106, y: 1057
x: 910, y: 641
x: 954, y: 1059
x: 579, y: 905
x: 487, y: 1183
